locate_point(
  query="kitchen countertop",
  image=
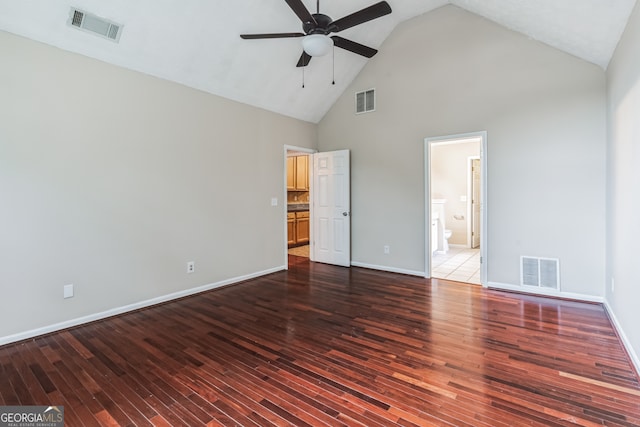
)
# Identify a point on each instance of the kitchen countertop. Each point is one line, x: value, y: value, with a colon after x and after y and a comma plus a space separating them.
x: 297, y: 207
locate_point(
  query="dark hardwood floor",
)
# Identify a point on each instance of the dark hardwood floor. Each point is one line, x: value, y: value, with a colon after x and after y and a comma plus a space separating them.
x: 323, y: 345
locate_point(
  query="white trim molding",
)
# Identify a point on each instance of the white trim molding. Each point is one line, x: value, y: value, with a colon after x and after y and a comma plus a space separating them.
x: 635, y: 360
x: 389, y: 269
x: 298, y: 150
x: 481, y: 137
x: 544, y: 292
x: 132, y: 307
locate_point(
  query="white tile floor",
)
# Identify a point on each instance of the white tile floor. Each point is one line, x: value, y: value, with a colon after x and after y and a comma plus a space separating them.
x: 459, y: 263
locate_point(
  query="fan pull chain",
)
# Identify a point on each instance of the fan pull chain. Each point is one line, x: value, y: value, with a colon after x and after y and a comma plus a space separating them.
x: 302, y: 77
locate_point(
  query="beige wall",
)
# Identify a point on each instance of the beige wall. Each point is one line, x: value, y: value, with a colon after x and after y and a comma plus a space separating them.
x: 113, y: 180
x: 451, y: 72
x: 623, y: 77
x: 449, y: 181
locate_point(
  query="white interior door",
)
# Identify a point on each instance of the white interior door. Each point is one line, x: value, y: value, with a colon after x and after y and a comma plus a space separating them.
x: 331, y: 212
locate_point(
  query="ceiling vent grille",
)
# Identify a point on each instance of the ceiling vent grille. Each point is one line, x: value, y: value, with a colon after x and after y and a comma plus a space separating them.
x: 95, y: 25
x: 540, y: 272
x: 366, y: 101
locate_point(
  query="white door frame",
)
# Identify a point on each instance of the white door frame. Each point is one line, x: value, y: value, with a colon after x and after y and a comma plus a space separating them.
x: 483, y: 197
x: 470, y: 199
x: 288, y: 148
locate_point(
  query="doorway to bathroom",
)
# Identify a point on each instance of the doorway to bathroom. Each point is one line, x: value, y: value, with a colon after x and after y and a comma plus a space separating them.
x: 455, y: 172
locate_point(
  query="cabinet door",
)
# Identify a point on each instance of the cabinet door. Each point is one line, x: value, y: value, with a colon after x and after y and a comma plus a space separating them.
x: 291, y: 230
x: 302, y: 227
x: 302, y: 173
x: 291, y: 173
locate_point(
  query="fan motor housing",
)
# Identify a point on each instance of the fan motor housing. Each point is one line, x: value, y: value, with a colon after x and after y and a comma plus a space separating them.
x: 321, y: 26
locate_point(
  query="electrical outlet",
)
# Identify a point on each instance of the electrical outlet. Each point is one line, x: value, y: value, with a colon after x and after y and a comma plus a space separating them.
x: 191, y: 267
x: 387, y: 250
x: 67, y: 291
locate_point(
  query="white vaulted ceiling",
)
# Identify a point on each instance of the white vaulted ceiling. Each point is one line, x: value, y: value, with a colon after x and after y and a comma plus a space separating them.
x: 197, y: 43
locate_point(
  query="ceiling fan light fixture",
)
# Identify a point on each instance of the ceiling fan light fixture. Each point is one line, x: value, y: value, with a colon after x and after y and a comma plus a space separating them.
x: 317, y: 44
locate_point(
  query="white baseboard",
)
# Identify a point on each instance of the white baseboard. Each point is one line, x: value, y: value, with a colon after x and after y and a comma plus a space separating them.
x: 389, y: 269
x: 534, y: 290
x: 131, y: 307
x: 635, y: 360
x: 181, y: 294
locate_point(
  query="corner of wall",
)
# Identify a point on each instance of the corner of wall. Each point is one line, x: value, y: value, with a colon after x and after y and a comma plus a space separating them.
x: 633, y: 356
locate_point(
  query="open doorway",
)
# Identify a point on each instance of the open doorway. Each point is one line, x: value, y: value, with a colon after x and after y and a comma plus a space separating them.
x: 298, y: 175
x: 319, y: 205
x: 454, y: 207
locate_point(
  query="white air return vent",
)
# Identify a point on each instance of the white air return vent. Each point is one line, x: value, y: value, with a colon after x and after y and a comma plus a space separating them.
x: 366, y: 101
x: 94, y: 24
x: 540, y: 272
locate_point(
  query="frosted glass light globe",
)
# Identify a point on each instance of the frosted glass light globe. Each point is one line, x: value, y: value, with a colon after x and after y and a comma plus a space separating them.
x: 317, y: 44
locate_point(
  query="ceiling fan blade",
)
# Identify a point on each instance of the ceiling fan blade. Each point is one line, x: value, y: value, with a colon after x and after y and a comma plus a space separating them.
x: 304, y: 59
x: 299, y: 9
x: 270, y: 36
x: 354, y: 47
x: 367, y: 14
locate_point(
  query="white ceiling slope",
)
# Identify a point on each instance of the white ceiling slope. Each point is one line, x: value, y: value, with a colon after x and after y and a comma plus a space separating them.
x: 197, y: 43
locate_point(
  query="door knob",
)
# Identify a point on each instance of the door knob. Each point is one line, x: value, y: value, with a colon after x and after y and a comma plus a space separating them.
x: 345, y: 213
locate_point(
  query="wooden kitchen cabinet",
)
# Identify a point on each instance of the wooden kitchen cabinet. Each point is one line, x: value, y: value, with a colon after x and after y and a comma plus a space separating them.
x: 302, y: 227
x: 291, y: 228
x: 298, y: 173
x: 291, y: 173
x: 297, y: 228
x: 302, y: 173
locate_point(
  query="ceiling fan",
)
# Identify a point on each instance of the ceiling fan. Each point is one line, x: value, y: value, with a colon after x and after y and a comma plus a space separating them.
x: 317, y: 27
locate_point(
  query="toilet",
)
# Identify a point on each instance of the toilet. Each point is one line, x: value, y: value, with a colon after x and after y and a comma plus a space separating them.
x: 439, y: 233
x: 445, y: 244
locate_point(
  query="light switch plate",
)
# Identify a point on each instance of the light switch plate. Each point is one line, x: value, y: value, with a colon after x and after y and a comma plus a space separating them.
x: 274, y: 201
x: 68, y: 291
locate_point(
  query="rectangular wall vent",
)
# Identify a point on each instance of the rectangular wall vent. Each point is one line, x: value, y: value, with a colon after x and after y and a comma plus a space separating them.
x: 366, y: 101
x: 540, y: 272
x: 94, y: 24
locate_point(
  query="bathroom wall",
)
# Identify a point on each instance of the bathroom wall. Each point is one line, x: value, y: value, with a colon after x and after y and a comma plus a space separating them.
x: 449, y: 180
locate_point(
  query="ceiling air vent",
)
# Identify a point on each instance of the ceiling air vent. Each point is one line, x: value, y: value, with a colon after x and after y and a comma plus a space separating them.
x: 540, y: 272
x: 366, y: 101
x: 94, y: 24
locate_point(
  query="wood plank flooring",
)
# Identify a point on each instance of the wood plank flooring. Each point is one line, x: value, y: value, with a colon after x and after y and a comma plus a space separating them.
x: 323, y: 345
